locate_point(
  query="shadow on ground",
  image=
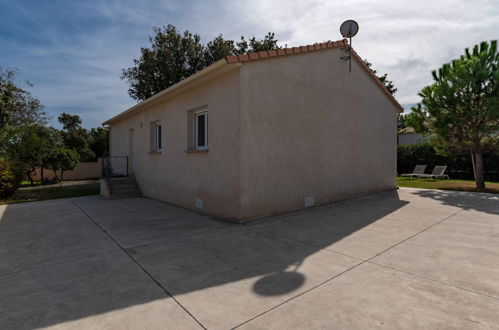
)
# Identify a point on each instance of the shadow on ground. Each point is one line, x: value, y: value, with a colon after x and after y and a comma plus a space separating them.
x: 481, y: 202
x: 67, y: 260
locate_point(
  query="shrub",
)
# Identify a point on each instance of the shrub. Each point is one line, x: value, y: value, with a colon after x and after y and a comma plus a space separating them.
x: 9, y: 178
x: 459, y: 166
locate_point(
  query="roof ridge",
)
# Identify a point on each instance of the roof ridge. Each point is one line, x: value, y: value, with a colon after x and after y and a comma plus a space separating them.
x: 285, y: 51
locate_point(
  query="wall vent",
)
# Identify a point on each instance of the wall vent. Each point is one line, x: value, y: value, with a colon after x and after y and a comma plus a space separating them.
x: 198, y: 203
x: 309, y: 201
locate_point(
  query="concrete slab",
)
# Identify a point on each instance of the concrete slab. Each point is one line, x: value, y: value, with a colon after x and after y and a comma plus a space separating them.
x: 437, y: 255
x: 102, y: 291
x: 46, y: 233
x: 139, y: 221
x: 361, y: 227
x: 462, y: 251
x: 373, y: 297
x: 236, y: 273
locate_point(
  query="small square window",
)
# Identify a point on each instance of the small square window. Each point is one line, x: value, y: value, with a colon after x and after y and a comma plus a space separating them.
x: 201, y: 130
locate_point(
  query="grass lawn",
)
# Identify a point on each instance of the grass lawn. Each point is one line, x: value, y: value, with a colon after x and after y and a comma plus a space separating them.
x: 26, y: 183
x: 40, y: 194
x: 443, y: 184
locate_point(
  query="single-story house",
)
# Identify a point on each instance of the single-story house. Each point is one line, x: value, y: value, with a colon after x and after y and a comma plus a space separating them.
x: 408, y: 136
x: 263, y: 133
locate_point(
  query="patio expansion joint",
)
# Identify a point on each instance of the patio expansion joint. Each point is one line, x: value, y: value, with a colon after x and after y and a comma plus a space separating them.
x: 435, y: 281
x: 139, y: 265
x: 363, y: 262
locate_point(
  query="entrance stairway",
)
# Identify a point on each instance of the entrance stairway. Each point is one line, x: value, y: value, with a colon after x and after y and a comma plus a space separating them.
x: 119, y: 187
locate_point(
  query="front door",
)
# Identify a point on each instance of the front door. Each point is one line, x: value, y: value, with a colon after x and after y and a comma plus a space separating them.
x: 130, y: 151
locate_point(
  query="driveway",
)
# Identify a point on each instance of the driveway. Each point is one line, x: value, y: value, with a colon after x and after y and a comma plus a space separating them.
x: 408, y: 259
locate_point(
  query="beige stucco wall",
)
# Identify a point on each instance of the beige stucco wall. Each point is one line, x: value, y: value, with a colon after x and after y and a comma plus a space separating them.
x: 82, y: 171
x: 179, y: 177
x: 280, y: 130
x: 311, y: 128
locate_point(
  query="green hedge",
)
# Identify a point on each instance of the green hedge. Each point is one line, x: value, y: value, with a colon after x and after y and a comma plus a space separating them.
x: 458, y: 166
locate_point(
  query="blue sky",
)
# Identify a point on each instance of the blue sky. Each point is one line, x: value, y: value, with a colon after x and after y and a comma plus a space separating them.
x: 73, y: 51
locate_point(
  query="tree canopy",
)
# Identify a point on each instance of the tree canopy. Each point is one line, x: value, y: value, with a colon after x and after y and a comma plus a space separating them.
x: 461, y: 108
x: 27, y: 143
x: 17, y: 105
x: 173, y: 56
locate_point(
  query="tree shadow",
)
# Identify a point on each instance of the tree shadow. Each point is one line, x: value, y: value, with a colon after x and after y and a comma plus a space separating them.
x: 481, y: 202
x: 57, y: 265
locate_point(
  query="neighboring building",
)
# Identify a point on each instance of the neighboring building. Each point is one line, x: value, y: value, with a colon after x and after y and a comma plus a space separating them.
x: 409, y: 136
x: 263, y: 133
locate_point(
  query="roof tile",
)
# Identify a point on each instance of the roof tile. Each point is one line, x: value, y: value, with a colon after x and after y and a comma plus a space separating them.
x: 243, y: 57
x: 253, y: 56
x: 263, y: 54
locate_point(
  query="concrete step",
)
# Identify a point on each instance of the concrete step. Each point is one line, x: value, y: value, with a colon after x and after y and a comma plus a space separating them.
x: 121, y: 188
x: 125, y: 191
x: 125, y: 195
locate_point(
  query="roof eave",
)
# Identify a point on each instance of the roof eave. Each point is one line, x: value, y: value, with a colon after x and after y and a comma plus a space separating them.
x: 158, y: 96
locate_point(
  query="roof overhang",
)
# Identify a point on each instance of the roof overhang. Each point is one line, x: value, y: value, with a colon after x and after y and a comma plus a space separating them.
x: 230, y: 63
x: 216, y: 69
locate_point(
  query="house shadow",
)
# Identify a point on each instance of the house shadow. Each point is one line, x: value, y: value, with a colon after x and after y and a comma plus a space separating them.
x: 55, y: 270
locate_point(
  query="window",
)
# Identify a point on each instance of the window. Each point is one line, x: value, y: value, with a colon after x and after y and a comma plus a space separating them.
x: 201, y: 130
x: 156, y: 136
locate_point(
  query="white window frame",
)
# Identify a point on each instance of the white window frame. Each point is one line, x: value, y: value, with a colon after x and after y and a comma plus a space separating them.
x: 156, y: 138
x: 196, y: 115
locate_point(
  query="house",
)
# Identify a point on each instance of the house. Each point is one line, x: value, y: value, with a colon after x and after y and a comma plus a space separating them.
x: 263, y: 133
x: 408, y: 136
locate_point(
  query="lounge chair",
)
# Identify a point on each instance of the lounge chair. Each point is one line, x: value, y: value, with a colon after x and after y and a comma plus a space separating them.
x: 437, y: 173
x: 418, y: 170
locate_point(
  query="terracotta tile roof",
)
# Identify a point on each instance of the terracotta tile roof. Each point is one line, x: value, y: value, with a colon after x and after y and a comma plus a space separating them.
x: 311, y: 48
x: 285, y: 51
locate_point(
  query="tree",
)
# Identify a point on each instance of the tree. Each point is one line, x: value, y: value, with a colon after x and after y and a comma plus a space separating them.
x: 69, y: 122
x: 171, y: 58
x: 267, y: 43
x: 174, y: 56
x: 383, y: 79
x: 62, y: 159
x: 76, y: 137
x: 401, y: 118
x: 217, y: 49
x: 461, y: 108
x: 25, y: 147
x: 99, y: 141
x: 17, y: 105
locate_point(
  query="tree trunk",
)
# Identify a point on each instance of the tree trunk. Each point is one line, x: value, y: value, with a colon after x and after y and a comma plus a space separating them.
x: 41, y: 175
x: 28, y: 174
x: 55, y: 175
x: 473, y: 163
x: 478, y: 162
x: 62, y: 173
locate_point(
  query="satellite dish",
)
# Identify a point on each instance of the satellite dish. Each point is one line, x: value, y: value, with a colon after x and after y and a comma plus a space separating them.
x: 349, y: 29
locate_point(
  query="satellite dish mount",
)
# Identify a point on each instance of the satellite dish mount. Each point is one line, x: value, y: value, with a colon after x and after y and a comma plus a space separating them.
x: 349, y: 29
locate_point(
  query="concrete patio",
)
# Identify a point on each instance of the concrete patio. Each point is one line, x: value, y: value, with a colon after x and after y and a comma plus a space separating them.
x: 404, y: 259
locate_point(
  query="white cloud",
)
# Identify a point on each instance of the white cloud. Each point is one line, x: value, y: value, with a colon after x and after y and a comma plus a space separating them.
x: 79, y: 71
